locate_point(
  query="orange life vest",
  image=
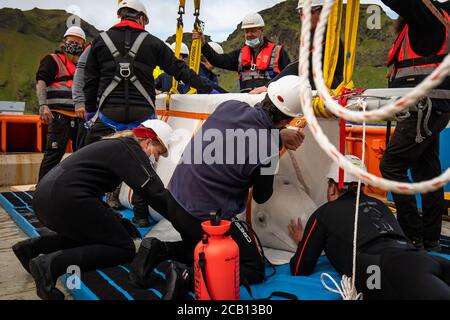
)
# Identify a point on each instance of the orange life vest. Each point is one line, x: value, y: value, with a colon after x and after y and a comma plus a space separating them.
x: 265, y: 68
x: 410, y: 68
x: 59, y: 92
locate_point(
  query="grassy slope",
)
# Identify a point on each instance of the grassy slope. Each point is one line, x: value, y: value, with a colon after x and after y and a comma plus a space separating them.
x: 19, y: 60
x: 20, y: 52
x: 25, y: 38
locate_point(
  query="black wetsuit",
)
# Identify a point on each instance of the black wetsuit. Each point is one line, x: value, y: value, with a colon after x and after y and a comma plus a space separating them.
x: 68, y: 200
x: 406, y: 273
x: 427, y: 36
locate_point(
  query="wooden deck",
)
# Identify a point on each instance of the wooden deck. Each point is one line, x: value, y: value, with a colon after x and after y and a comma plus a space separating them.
x: 15, y: 282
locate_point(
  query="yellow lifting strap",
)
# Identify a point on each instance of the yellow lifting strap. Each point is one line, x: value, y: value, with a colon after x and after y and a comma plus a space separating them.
x: 350, y: 41
x: 196, y: 48
x: 178, y: 42
x: 332, y: 42
x: 351, y: 37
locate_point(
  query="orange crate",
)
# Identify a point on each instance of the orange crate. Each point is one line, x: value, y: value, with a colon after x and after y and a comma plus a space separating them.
x: 375, y: 148
x: 20, y: 133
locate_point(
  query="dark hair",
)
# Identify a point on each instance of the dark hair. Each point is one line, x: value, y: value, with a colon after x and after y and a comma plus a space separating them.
x: 128, y: 13
x: 348, y: 187
x: 273, y: 112
x: 399, y: 24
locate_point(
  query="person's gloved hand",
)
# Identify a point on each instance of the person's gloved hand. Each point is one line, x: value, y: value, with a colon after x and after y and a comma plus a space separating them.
x: 81, y: 112
x: 292, y: 138
x: 258, y: 90
x: 197, y: 34
x: 45, y: 114
x: 296, y: 229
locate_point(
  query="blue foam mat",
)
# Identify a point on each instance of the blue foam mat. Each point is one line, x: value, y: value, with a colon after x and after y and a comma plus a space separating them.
x: 21, y: 222
x: 305, y: 288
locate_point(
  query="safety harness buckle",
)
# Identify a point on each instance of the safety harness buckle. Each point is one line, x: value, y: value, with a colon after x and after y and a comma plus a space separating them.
x: 253, y: 67
x: 125, y: 70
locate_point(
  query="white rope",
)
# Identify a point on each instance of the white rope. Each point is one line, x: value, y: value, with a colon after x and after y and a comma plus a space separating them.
x: 347, y: 290
x: 344, y: 290
x: 358, y: 198
x: 323, y: 141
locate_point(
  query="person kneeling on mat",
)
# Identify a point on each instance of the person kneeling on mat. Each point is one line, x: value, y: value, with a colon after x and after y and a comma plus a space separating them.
x: 68, y: 200
x: 404, y: 272
x: 201, y: 185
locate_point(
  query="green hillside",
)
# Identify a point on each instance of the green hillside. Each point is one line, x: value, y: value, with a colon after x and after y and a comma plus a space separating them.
x: 283, y: 26
x: 27, y: 36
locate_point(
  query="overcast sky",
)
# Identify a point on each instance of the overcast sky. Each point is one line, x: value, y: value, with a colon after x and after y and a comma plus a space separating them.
x: 221, y: 17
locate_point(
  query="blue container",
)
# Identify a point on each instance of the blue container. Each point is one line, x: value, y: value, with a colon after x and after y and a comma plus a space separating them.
x: 445, y: 161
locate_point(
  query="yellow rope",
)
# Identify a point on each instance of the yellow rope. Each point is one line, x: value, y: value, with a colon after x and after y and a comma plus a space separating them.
x: 196, y: 48
x: 178, y: 42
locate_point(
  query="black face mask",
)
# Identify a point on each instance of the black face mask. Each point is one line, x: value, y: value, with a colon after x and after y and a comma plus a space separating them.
x: 73, y: 48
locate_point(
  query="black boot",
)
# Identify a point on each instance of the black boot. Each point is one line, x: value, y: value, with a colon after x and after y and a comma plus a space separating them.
x: 45, y: 284
x: 179, y: 280
x: 25, y: 251
x: 151, y: 253
x: 432, y: 245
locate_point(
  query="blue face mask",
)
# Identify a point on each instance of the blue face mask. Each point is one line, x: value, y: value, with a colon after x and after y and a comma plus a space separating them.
x: 253, y: 43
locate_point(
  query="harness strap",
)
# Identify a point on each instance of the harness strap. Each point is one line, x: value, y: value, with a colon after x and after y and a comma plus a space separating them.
x: 112, y: 48
x: 202, y: 264
x: 137, y: 44
x: 437, y: 13
x: 125, y: 72
x: 135, y: 81
x: 420, y: 61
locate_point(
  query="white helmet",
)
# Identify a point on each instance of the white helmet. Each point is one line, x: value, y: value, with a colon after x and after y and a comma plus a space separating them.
x: 76, y: 32
x: 253, y: 20
x: 133, y: 4
x: 333, y: 173
x: 216, y: 47
x: 285, y: 95
x: 162, y: 130
x: 314, y: 3
x: 184, y: 48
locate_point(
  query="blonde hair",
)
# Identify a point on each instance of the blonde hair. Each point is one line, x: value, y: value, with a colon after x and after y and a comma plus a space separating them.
x: 123, y: 134
x: 128, y: 134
